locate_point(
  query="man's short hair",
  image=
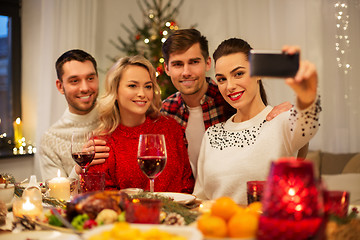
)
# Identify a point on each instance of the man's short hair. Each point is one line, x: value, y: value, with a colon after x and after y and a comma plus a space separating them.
x: 181, y: 40
x: 75, y: 54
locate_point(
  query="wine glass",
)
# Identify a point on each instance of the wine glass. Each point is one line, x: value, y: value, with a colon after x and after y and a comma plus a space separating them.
x: 151, y: 156
x: 83, y: 148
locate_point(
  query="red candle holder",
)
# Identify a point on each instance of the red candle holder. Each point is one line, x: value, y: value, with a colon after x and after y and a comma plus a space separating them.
x: 143, y: 210
x: 292, y: 203
x: 91, y: 181
x: 336, y: 203
x: 255, y: 191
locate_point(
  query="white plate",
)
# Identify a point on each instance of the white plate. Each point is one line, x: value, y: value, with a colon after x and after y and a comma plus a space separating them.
x: 178, y: 197
x: 39, y: 235
x: 190, y: 233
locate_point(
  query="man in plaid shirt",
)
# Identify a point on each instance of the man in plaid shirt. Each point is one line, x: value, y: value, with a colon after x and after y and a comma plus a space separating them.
x: 198, y: 103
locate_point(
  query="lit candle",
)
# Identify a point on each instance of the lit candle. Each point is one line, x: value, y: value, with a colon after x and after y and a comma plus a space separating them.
x: 17, y: 125
x: 59, y: 187
x: 26, y: 208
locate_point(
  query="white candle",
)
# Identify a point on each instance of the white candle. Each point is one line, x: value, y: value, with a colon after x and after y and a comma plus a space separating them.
x: 59, y: 188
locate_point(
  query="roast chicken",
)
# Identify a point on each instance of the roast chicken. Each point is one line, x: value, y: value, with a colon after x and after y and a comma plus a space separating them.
x: 94, y: 202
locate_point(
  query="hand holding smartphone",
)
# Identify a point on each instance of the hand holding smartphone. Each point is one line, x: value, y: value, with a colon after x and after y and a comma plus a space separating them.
x: 268, y: 63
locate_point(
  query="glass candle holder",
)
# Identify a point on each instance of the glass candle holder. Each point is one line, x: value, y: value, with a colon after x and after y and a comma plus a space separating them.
x: 336, y: 203
x: 74, y: 187
x: 255, y: 191
x: 292, y: 203
x: 24, y: 207
x: 91, y: 181
x: 143, y: 210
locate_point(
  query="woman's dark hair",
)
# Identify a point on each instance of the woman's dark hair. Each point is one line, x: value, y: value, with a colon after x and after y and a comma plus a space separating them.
x: 237, y: 45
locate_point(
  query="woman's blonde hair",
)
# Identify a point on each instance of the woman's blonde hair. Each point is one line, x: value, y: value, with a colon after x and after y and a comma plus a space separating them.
x: 108, y: 106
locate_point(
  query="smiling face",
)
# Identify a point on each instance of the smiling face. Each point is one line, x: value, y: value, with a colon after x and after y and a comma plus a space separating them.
x: 236, y: 86
x: 187, y: 70
x: 80, y: 85
x: 134, y: 95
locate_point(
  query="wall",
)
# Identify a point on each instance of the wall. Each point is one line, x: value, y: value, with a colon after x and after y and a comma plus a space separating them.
x: 20, y: 167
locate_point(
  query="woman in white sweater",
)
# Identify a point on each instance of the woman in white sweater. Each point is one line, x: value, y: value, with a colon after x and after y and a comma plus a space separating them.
x: 241, y: 149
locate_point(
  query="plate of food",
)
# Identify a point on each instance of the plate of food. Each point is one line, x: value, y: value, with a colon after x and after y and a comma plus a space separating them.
x: 123, y: 230
x: 178, y: 197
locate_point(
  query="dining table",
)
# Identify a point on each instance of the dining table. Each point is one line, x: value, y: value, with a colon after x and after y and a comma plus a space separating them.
x: 23, y: 228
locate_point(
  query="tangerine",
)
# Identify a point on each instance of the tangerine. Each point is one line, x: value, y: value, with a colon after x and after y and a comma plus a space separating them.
x: 224, y: 207
x: 243, y: 225
x: 255, y: 207
x: 212, y: 226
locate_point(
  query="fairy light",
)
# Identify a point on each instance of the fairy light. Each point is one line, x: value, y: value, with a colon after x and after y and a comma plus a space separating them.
x: 342, y: 42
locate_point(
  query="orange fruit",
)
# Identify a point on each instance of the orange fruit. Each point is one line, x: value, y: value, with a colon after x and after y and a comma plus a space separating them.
x: 255, y: 207
x: 243, y: 225
x: 240, y: 209
x: 224, y: 207
x: 212, y: 226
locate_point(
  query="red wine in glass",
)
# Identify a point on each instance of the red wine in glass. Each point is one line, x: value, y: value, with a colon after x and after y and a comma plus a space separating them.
x: 152, y: 156
x: 152, y: 166
x: 83, y: 148
x: 83, y: 159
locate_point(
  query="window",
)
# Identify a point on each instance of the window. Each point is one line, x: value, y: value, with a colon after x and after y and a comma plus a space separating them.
x: 10, y: 75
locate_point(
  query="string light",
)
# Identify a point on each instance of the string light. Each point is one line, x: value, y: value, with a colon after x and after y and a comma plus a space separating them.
x: 342, y: 42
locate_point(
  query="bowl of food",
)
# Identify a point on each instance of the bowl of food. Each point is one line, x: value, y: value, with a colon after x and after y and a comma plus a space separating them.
x: 7, y: 192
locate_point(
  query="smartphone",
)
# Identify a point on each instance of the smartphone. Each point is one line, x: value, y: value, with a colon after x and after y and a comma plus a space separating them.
x: 268, y: 63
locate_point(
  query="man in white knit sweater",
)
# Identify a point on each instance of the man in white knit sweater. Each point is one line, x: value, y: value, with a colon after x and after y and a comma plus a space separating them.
x: 78, y: 82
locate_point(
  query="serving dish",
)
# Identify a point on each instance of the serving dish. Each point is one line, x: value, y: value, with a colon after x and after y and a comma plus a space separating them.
x: 190, y: 233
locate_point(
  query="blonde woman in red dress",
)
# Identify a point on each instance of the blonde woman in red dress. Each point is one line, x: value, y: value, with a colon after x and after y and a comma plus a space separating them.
x: 129, y: 107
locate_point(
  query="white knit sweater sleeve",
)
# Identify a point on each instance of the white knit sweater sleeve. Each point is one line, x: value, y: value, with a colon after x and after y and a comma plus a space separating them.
x: 54, y: 151
x: 50, y: 162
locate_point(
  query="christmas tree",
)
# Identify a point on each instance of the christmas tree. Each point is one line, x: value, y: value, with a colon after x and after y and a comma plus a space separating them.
x: 146, y: 39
